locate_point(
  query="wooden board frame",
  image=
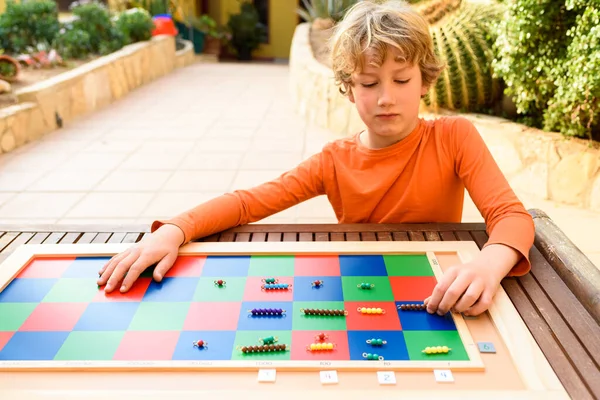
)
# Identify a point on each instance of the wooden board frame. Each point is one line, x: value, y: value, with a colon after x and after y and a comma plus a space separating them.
x: 532, y: 365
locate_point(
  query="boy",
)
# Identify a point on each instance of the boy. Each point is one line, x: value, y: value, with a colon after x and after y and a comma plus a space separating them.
x: 401, y: 169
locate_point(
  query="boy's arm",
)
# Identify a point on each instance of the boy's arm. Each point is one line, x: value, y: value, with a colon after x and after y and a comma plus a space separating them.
x: 245, y: 206
x: 507, y: 221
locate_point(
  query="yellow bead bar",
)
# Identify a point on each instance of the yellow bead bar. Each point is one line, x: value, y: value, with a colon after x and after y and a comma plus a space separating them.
x: 365, y: 310
x: 320, y: 346
x: 436, y: 350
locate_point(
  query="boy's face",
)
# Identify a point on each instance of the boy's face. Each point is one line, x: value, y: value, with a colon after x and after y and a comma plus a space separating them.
x: 387, y: 98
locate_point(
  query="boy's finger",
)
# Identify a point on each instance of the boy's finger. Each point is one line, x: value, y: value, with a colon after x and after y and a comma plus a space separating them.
x: 109, y: 267
x: 485, y: 300
x: 134, y: 272
x: 119, y: 272
x: 470, y: 297
x: 164, y: 265
x: 440, y: 289
x: 457, y: 289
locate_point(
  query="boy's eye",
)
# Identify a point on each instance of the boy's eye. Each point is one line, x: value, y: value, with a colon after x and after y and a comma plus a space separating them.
x: 406, y: 81
x: 367, y: 84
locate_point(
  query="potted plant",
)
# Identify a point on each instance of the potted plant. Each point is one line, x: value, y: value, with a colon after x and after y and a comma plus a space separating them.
x: 247, y: 33
x: 9, y: 68
x: 213, y: 34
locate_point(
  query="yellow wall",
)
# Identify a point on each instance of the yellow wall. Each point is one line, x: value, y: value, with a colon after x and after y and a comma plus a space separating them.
x: 282, y: 24
x: 2, y: 5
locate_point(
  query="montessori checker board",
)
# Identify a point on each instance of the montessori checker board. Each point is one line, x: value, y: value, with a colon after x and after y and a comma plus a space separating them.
x: 231, y: 309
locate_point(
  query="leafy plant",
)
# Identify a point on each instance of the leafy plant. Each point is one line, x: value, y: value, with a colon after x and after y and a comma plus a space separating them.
x: 94, y: 18
x: 548, y: 56
x: 136, y: 25
x: 326, y: 9
x: 28, y: 24
x: 247, y: 33
x: 73, y: 43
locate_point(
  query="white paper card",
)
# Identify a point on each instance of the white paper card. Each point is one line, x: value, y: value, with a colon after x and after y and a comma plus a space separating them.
x: 443, y: 375
x: 329, y: 377
x: 267, y: 375
x: 386, y: 377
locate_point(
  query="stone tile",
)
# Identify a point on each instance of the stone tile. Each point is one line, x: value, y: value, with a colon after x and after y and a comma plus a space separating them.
x: 170, y: 204
x: 17, y: 181
x: 110, y: 205
x: 171, y: 146
x: 205, y: 145
x: 270, y: 161
x: 111, y: 145
x: 293, y: 144
x: 152, y: 161
x: 246, y: 179
x: 316, y: 208
x: 230, y: 133
x: 69, y: 180
x: 6, y: 196
x: 196, y: 181
x: 133, y: 181
x: 39, y: 205
x: 34, y: 162
x: 92, y: 161
x: 211, y: 161
x: 97, y: 221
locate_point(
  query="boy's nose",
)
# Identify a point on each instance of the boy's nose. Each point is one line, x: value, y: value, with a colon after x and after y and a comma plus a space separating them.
x: 385, y: 96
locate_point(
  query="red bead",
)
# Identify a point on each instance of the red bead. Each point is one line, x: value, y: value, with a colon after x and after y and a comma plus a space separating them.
x: 200, y: 343
x: 220, y: 282
x: 321, y: 336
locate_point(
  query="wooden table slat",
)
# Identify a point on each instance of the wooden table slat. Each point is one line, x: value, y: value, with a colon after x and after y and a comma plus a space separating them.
x: 344, y: 228
x: 321, y: 236
x: 416, y: 236
x: 290, y: 237
x: 131, y: 237
x: 274, y: 236
x: 70, y: 237
x: 337, y: 236
x: 102, y: 237
x: 542, y: 333
x: 259, y: 237
x: 353, y: 236
x: 305, y: 236
x: 39, y: 238
x: 447, y: 236
x: 242, y: 237
x: 368, y: 236
x: 384, y: 236
x: 227, y: 237
x: 400, y: 236
x: 117, y: 237
x: 431, y: 236
x: 7, y: 238
x: 18, y: 240
x: 212, y: 238
x: 463, y: 235
x: 54, y: 238
x: 87, y: 237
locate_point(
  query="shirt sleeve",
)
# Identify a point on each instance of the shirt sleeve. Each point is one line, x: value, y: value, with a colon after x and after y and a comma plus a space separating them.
x: 507, y: 220
x: 241, y: 207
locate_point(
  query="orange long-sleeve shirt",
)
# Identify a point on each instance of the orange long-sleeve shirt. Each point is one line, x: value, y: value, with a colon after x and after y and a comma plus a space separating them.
x: 417, y: 180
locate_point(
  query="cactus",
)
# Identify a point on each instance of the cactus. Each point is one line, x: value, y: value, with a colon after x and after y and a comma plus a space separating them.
x: 463, y: 39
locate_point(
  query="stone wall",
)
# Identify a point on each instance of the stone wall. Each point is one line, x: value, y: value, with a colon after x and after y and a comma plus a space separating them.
x: 543, y: 164
x: 46, y: 105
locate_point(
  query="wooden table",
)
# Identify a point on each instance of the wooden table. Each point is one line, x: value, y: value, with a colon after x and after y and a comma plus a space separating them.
x: 559, y: 300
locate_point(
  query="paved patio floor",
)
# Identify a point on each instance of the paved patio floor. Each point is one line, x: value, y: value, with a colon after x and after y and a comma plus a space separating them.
x: 201, y: 131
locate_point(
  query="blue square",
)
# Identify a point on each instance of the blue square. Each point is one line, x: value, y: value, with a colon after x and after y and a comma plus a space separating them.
x: 222, y: 266
x: 362, y: 265
x: 27, y: 290
x: 421, y: 320
x: 107, y: 316
x: 248, y: 322
x: 220, y: 345
x: 85, y: 267
x: 394, y: 350
x: 33, y: 345
x: 171, y: 289
x: 331, y: 290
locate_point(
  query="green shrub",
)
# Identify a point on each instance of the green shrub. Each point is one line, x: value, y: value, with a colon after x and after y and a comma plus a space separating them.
x: 27, y: 25
x: 548, y: 56
x: 94, y: 18
x: 73, y: 43
x: 334, y: 9
x: 136, y: 25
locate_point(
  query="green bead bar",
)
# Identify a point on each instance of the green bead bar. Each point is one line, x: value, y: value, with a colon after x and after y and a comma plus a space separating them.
x: 268, y: 340
x: 365, y: 286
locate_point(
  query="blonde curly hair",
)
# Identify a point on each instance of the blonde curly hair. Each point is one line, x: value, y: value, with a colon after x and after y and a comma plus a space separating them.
x: 376, y: 25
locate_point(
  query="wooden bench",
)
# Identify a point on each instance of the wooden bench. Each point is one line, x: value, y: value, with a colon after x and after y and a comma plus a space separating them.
x: 559, y: 300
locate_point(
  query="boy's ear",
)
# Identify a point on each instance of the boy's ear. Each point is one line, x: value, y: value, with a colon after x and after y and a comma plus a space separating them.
x: 350, y: 95
x: 424, y: 90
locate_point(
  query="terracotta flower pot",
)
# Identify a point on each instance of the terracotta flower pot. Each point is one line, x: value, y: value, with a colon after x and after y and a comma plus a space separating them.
x: 212, y: 46
x: 7, y: 63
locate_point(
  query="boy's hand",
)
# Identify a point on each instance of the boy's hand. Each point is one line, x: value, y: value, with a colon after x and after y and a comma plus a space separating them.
x: 160, y: 247
x: 469, y: 288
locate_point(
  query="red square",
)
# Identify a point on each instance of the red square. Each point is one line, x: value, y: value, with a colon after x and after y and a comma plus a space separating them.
x: 254, y: 291
x: 187, y: 266
x: 147, y: 345
x: 213, y: 316
x: 135, y: 293
x: 315, y: 265
x: 412, y: 288
x: 4, y: 338
x: 302, y: 339
x: 46, y: 267
x: 358, y: 321
x: 54, y: 317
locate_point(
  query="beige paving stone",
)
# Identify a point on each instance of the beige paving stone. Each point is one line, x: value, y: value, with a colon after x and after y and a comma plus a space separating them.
x: 194, y: 181
x: 152, y: 161
x: 92, y: 162
x: 33, y: 162
x: 6, y: 196
x: 68, y: 180
x: 292, y: 144
x: 133, y: 181
x: 17, y: 181
x: 112, y: 145
x: 278, y: 161
x: 246, y: 179
x: 110, y: 205
x: 170, y: 204
x: 317, y: 207
x: 204, y: 145
x: 97, y: 221
x: 38, y: 205
x: 212, y: 161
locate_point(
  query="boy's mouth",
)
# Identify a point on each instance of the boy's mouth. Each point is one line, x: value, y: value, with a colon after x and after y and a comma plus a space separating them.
x: 387, y: 115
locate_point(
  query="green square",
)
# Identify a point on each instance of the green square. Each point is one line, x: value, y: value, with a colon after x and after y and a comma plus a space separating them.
x: 407, y: 265
x: 12, y: 315
x: 251, y: 338
x: 417, y: 341
x: 233, y: 290
x: 382, y: 291
x: 72, y: 290
x: 85, y: 345
x: 271, y: 266
x: 301, y: 322
x: 156, y: 316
